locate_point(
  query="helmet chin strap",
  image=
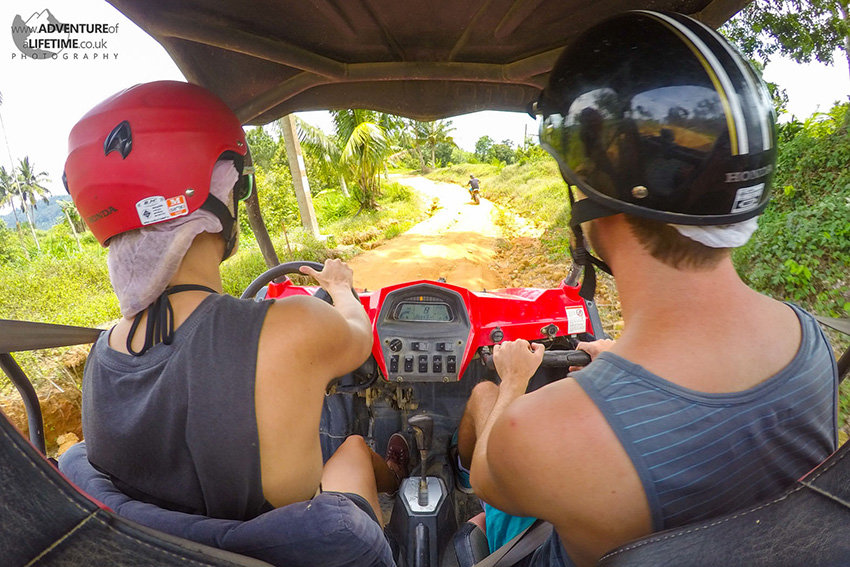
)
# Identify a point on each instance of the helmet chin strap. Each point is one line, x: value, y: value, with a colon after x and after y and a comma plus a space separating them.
x: 583, y: 211
x: 229, y: 230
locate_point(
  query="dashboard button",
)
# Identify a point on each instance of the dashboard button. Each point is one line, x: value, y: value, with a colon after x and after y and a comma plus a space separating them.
x: 394, y: 363
x: 437, y: 364
x: 451, y: 364
x: 423, y: 363
x: 408, y: 363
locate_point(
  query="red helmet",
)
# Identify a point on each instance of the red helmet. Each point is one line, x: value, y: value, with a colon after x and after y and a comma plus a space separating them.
x: 146, y: 155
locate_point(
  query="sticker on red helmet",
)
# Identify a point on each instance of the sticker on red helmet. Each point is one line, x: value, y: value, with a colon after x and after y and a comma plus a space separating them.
x: 576, y: 320
x: 157, y: 209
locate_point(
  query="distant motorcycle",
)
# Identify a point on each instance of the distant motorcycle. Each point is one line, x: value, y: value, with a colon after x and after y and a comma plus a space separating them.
x: 473, y: 188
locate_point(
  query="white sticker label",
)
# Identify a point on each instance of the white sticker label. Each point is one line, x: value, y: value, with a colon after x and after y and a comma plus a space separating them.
x: 576, y: 320
x: 158, y: 209
x: 747, y: 198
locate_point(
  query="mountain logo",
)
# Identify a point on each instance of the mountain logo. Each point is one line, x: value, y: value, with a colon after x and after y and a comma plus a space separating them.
x: 40, y: 36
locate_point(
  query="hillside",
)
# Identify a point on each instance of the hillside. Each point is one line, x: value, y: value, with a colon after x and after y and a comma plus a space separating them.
x: 46, y: 215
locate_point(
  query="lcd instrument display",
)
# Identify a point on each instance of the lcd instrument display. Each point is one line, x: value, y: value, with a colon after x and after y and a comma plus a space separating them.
x: 416, y: 311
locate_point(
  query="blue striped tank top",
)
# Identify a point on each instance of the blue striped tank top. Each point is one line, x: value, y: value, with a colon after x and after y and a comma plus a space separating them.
x: 700, y: 455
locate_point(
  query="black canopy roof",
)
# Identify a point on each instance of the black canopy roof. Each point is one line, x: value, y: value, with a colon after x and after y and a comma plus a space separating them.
x: 425, y: 59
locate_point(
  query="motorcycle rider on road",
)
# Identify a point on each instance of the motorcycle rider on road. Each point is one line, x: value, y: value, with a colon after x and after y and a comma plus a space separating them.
x: 474, y: 185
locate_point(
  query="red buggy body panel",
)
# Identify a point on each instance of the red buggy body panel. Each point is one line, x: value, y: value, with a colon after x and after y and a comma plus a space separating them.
x: 496, y: 315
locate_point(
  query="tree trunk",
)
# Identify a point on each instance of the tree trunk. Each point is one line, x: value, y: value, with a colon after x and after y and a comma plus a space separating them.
x: 299, y: 175
x: 255, y: 219
x: 843, y: 9
x: 73, y: 230
x: 31, y: 218
x: 18, y: 229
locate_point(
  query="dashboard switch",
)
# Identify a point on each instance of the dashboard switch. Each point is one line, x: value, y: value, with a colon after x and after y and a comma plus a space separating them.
x: 451, y: 364
x: 408, y: 363
x: 395, y: 345
x: 423, y: 363
x: 394, y: 363
x: 437, y: 364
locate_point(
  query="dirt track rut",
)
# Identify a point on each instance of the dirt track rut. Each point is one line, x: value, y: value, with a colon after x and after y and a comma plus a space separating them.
x: 458, y: 243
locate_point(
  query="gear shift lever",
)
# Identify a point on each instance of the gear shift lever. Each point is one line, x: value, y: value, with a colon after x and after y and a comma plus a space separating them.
x: 423, y: 430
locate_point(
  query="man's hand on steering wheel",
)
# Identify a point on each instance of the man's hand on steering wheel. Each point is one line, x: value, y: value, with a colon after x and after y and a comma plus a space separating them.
x: 335, y: 278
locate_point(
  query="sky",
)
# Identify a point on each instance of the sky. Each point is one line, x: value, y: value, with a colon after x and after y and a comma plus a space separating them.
x: 43, y: 99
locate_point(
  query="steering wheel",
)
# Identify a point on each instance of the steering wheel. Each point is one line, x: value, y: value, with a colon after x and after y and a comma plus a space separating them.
x: 551, y: 359
x: 282, y: 270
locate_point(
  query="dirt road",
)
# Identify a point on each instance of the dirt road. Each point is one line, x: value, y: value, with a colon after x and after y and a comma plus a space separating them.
x: 458, y: 243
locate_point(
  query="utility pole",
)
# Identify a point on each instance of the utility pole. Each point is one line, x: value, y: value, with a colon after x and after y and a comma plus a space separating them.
x: 299, y: 175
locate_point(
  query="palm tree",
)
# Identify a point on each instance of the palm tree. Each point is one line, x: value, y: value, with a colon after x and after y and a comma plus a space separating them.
x: 365, y: 148
x: 430, y: 134
x: 31, y: 190
x: 326, y: 148
x: 358, y: 150
x: 12, y: 188
x: 8, y: 192
x: 74, y: 220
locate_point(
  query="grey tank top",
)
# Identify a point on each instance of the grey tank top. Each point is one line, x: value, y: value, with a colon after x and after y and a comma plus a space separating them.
x: 177, y: 426
x: 701, y: 455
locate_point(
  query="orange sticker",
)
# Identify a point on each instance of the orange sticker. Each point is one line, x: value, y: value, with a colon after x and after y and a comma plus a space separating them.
x: 177, y: 206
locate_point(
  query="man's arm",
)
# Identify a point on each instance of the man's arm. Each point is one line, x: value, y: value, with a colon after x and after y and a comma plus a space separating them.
x: 326, y: 340
x: 304, y: 344
x: 338, y: 279
x: 516, y: 363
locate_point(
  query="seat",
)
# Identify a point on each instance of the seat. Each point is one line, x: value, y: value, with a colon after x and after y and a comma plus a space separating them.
x: 326, y: 530
x: 470, y: 546
x: 809, y: 525
x: 47, y: 522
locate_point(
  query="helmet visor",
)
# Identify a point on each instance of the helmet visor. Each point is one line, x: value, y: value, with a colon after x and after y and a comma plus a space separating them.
x: 636, y: 149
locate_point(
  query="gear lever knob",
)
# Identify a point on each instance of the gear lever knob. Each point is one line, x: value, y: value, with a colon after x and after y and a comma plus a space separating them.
x: 423, y: 429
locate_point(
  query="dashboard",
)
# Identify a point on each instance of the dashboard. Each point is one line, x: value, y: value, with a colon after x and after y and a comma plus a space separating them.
x: 423, y: 332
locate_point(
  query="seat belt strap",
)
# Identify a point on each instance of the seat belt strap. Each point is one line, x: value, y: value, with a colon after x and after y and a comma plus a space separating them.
x: 522, y: 545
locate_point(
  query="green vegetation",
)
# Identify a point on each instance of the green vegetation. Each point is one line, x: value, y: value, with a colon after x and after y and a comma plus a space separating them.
x: 801, y: 251
x: 803, y: 30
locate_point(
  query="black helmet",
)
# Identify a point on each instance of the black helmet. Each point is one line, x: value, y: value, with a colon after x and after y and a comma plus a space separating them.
x: 656, y: 115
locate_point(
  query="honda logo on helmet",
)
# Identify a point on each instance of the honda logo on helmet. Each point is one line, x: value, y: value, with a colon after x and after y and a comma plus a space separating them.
x: 735, y: 176
x: 101, y: 214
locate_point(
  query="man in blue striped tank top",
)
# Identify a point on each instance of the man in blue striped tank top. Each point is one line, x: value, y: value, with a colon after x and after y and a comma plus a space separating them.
x: 715, y: 397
